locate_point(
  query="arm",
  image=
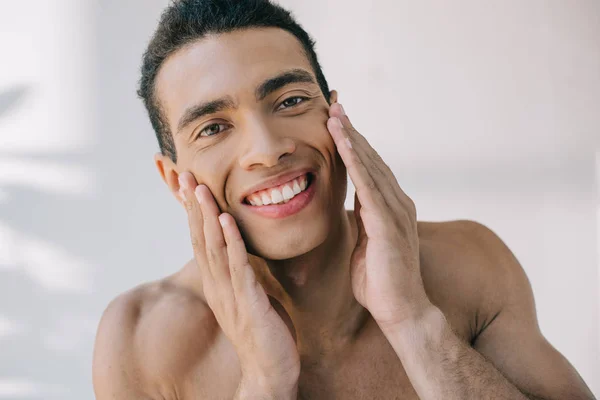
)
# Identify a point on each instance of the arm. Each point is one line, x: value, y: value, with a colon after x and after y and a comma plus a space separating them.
x: 510, y: 360
x: 385, y: 270
x: 440, y: 365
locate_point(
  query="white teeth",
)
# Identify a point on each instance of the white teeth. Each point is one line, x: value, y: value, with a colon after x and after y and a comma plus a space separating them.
x: 276, y: 196
x: 287, y: 192
x: 265, y: 199
x: 279, y: 196
x: 296, y: 187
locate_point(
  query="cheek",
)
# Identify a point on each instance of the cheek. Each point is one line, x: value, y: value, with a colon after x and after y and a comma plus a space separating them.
x: 313, y: 132
x: 210, y: 166
x: 323, y: 142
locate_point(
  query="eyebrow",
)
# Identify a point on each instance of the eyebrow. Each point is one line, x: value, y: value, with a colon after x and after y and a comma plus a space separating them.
x: 277, y: 82
x: 202, y: 109
x: 263, y: 90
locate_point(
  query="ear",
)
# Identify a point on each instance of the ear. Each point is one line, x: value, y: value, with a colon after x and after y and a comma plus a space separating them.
x: 333, y: 96
x: 169, y: 174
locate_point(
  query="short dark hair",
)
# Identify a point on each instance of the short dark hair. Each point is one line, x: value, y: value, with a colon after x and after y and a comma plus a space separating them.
x: 185, y: 21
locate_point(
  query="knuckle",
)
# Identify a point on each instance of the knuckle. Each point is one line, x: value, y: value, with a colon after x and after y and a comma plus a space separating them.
x: 413, y: 208
x: 374, y: 167
x: 212, y: 256
x: 356, y: 159
x: 220, y: 243
x: 405, y: 219
x: 410, y: 206
x: 195, y: 244
x: 376, y: 157
x: 237, y: 241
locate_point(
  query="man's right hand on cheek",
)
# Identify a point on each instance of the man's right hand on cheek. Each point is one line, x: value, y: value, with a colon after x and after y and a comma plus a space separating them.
x: 267, y: 351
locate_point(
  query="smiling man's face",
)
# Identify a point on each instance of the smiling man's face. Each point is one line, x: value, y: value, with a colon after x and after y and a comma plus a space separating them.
x: 246, y: 113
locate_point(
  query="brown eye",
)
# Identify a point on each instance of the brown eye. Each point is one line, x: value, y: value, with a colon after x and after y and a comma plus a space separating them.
x: 212, y: 129
x: 291, y: 102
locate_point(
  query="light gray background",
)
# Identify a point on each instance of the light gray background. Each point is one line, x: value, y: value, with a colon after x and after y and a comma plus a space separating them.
x: 485, y: 110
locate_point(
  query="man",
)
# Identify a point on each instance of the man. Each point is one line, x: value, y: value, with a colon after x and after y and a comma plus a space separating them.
x: 289, y: 295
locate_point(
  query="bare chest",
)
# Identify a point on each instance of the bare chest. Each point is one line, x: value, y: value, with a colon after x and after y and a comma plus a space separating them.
x: 373, y: 378
x: 370, y: 369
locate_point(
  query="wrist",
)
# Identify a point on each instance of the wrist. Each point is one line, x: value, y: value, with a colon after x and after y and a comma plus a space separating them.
x: 260, y: 387
x: 406, y: 316
x: 428, y: 323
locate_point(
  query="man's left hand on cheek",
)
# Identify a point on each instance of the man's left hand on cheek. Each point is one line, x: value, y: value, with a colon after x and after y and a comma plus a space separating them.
x: 385, y: 267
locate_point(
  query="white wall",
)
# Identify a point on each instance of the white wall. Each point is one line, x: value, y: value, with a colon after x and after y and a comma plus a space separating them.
x: 485, y: 110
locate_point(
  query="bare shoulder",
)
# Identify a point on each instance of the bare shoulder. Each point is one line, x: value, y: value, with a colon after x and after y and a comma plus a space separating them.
x: 468, y: 270
x: 150, y: 340
x: 464, y: 238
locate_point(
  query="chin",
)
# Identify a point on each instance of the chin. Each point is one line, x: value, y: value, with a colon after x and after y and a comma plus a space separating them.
x: 290, y: 243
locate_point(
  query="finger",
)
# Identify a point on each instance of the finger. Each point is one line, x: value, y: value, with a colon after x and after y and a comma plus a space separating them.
x: 242, y: 274
x: 381, y: 172
x: 402, y: 207
x: 359, y: 142
x: 187, y: 183
x: 215, y: 245
x: 366, y: 188
x: 373, y: 166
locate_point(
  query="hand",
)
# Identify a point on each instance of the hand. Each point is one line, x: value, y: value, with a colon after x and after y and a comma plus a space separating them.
x: 385, y: 268
x: 266, y: 349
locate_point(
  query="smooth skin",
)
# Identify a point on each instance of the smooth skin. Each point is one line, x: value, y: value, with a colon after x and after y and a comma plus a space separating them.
x: 327, y: 304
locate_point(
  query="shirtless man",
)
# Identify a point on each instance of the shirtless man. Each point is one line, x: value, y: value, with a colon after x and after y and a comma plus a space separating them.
x: 301, y: 299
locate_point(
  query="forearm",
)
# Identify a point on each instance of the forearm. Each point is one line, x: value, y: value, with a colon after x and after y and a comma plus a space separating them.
x: 441, y: 366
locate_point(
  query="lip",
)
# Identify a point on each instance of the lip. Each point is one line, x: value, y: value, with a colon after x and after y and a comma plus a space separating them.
x: 276, y: 181
x: 294, y: 206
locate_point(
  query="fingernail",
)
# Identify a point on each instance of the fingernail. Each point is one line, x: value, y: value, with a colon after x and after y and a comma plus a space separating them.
x: 342, y: 108
x: 348, y: 143
x: 182, y: 194
x: 197, y: 193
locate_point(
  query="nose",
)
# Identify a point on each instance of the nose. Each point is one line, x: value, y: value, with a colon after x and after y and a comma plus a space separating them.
x: 264, y: 146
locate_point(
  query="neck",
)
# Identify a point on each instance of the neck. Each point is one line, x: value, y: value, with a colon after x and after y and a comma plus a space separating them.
x: 316, y: 291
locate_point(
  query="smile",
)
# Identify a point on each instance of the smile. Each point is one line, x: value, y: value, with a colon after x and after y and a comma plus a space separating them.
x: 279, y: 194
x: 284, y: 200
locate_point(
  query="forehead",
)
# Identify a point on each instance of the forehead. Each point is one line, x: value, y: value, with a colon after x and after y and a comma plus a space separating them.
x: 232, y: 63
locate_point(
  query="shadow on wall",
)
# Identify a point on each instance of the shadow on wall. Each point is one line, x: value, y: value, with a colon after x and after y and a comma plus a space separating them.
x: 9, y: 98
x: 43, y: 277
x: 76, y: 217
